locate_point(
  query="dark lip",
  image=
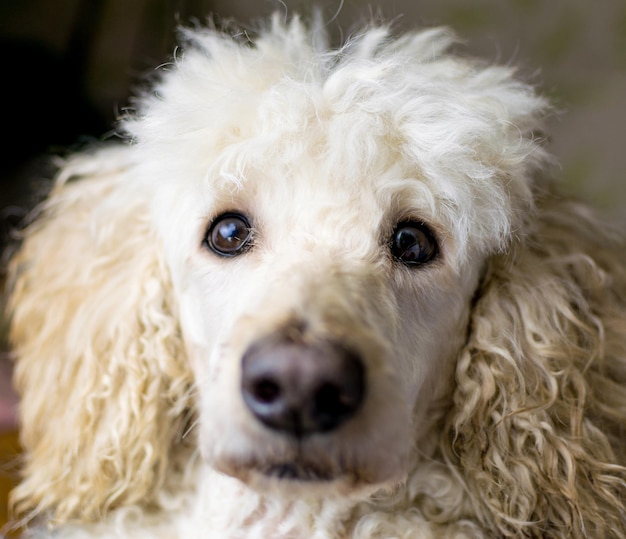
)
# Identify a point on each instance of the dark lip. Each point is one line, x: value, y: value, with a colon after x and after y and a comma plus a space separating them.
x: 295, y: 471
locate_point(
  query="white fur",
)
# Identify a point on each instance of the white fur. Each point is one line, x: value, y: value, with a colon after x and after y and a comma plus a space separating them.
x: 496, y: 374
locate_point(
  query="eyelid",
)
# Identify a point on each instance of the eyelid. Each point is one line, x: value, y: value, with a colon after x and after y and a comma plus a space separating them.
x: 435, y: 228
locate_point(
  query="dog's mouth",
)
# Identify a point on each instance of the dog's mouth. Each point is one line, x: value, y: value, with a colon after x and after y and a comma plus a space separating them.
x: 296, y: 471
x: 321, y: 464
x: 290, y: 468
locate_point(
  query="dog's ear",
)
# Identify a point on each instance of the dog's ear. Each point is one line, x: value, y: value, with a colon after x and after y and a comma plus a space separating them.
x: 100, y: 367
x: 541, y: 385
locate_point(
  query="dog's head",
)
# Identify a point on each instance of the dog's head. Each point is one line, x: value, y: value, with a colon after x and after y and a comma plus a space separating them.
x: 326, y: 218
x: 287, y: 252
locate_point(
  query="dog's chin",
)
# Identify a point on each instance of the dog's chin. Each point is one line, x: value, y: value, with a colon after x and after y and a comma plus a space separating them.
x: 306, y: 478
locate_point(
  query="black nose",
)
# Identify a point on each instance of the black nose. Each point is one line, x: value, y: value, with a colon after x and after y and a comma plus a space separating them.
x: 302, y: 388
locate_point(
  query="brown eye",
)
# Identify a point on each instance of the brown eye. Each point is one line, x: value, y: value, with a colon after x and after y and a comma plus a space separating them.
x: 413, y: 244
x: 230, y: 234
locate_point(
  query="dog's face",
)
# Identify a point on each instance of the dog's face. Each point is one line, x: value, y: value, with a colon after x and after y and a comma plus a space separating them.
x: 325, y: 239
x: 322, y: 318
x: 322, y: 311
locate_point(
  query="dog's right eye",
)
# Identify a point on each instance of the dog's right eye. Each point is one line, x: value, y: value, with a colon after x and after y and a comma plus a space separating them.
x: 413, y: 244
x: 230, y: 234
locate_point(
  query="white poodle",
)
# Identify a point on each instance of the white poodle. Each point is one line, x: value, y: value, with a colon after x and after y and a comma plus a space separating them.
x: 321, y: 294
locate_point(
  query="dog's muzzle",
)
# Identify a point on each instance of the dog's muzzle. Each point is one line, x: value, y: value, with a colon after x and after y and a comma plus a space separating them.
x: 301, y: 388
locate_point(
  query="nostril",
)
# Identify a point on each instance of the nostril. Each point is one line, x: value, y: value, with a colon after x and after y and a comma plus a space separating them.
x: 266, y: 391
x: 330, y: 397
x: 334, y: 402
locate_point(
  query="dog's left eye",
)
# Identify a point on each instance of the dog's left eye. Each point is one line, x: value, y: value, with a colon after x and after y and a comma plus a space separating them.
x: 413, y: 244
x: 229, y: 235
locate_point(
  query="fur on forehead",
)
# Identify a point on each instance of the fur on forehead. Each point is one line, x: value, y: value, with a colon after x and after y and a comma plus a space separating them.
x: 462, y: 133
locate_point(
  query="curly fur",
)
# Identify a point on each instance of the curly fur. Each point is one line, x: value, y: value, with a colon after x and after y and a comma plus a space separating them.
x: 497, y: 374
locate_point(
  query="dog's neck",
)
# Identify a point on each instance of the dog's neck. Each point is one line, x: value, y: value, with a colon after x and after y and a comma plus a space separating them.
x: 250, y: 513
x: 210, y: 505
x: 224, y: 508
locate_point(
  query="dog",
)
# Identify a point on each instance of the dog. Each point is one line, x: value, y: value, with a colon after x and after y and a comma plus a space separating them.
x: 320, y: 293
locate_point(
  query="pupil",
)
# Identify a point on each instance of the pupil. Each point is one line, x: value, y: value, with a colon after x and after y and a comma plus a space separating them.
x: 230, y: 231
x: 407, y: 240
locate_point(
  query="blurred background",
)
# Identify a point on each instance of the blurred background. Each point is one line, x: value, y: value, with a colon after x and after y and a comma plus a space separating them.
x: 68, y: 67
